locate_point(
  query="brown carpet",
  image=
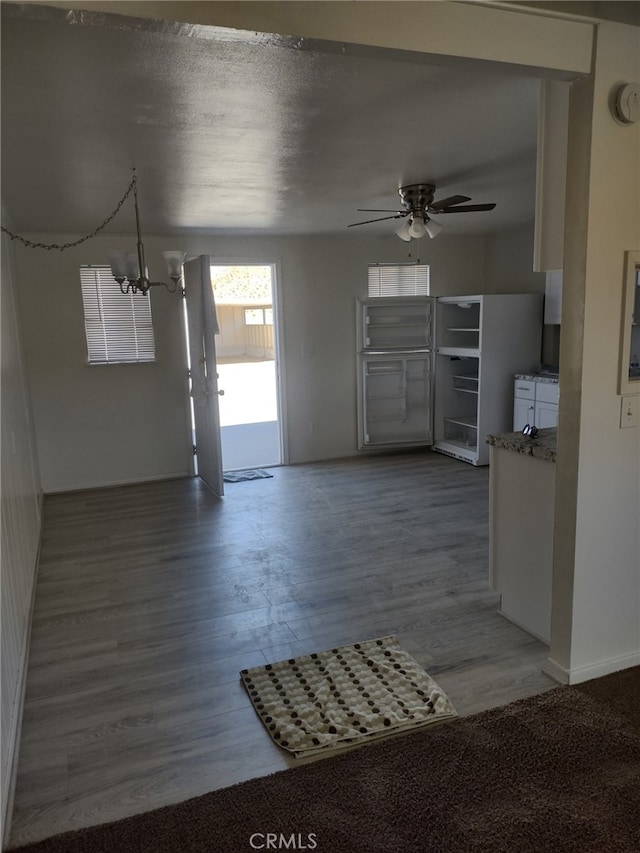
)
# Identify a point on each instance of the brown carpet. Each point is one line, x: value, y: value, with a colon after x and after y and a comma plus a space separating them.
x: 557, y: 772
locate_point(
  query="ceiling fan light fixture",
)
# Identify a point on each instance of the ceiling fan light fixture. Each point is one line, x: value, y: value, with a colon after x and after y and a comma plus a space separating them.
x: 403, y: 231
x: 432, y: 228
x: 418, y: 228
x: 418, y: 203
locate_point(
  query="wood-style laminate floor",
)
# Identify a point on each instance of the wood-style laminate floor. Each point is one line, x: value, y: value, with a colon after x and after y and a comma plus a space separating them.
x: 151, y: 598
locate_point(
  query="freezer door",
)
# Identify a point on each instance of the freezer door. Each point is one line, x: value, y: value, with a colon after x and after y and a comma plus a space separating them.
x: 395, y: 399
x: 395, y: 324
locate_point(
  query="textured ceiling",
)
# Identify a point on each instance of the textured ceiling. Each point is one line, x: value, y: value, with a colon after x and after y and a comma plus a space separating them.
x: 252, y: 133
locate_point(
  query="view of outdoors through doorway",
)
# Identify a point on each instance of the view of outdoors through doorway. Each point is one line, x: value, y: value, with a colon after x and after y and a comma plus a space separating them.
x: 247, y: 370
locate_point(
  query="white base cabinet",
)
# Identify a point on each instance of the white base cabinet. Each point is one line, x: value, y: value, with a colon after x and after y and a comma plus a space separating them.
x: 546, y: 415
x: 521, y: 523
x: 535, y: 403
x: 524, y: 412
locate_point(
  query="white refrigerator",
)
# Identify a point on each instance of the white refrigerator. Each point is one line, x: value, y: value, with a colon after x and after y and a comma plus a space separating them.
x: 439, y: 371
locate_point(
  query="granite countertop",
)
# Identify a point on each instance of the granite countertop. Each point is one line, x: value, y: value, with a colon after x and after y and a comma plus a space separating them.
x: 541, y: 447
x: 538, y: 377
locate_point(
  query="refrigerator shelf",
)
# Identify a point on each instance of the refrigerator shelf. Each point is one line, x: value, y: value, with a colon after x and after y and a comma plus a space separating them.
x: 398, y: 416
x: 385, y: 322
x: 383, y: 370
x: 398, y: 344
x: 469, y: 421
x: 459, y: 352
x: 459, y: 323
x: 466, y: 382
x: 410, y: 438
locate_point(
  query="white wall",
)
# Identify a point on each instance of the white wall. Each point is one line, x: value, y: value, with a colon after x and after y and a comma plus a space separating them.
x: 509, y: 262
x: 101, y: 425
x: 596, y: 602
x: 509, y: 268
x: 98, y: 425
x: 320, y: 280
x: 21, y: 519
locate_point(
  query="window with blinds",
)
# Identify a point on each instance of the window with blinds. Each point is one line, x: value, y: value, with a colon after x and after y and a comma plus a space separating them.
x: 398, y: 280
x: 118, y: 326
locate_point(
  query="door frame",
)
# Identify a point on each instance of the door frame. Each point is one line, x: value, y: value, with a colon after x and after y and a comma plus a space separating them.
x: 278, y: 336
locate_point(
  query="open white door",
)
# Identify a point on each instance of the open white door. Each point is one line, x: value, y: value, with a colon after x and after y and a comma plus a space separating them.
x: 203, y: 325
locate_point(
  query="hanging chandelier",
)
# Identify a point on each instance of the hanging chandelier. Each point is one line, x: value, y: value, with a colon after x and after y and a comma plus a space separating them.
x: 131, y: 267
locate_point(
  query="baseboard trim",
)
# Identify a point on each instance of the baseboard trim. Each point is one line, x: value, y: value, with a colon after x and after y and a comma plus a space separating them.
x: 114, y: 484
x: 544, y: 640
x: 555, y: 671
x: 578, y: 674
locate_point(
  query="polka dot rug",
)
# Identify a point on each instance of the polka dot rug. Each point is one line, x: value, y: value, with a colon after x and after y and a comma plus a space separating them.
x: 343, y: 696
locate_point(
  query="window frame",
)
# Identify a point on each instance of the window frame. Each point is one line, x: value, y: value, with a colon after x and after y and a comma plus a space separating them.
x: 264, y: 309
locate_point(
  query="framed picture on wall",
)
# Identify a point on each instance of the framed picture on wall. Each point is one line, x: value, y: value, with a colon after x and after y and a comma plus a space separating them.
x: 630, y: 337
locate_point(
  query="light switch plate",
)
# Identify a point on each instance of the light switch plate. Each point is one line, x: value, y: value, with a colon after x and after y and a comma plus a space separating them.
x: 629, y: 412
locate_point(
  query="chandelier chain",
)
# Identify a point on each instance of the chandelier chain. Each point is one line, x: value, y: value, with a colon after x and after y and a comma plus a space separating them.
x: 62, y: 246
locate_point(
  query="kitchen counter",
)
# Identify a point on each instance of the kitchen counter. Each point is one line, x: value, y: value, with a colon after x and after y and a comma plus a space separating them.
x: 538, y: 377
x: 543, y: 446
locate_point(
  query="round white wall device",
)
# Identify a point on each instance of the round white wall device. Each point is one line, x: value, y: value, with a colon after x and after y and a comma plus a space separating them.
x: 626, y: 105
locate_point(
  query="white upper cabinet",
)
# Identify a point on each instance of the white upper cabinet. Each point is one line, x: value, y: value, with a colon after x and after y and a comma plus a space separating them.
x: 551, y: 175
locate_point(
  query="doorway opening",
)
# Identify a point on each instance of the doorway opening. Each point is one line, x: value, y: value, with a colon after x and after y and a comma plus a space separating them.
x: 246, y: 349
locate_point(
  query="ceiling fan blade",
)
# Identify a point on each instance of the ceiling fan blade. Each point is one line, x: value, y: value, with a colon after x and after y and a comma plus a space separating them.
x: 379, y: 210
x: 382, y: 218
x: 468, y: 208
x: 449, y: 201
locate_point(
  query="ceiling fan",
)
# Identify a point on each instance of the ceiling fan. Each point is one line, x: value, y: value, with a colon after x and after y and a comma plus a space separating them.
x: 418, y: 203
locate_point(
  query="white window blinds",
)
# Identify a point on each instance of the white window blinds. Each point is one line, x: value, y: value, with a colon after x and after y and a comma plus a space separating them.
x: 398, y: 280
x: 118, y: 326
